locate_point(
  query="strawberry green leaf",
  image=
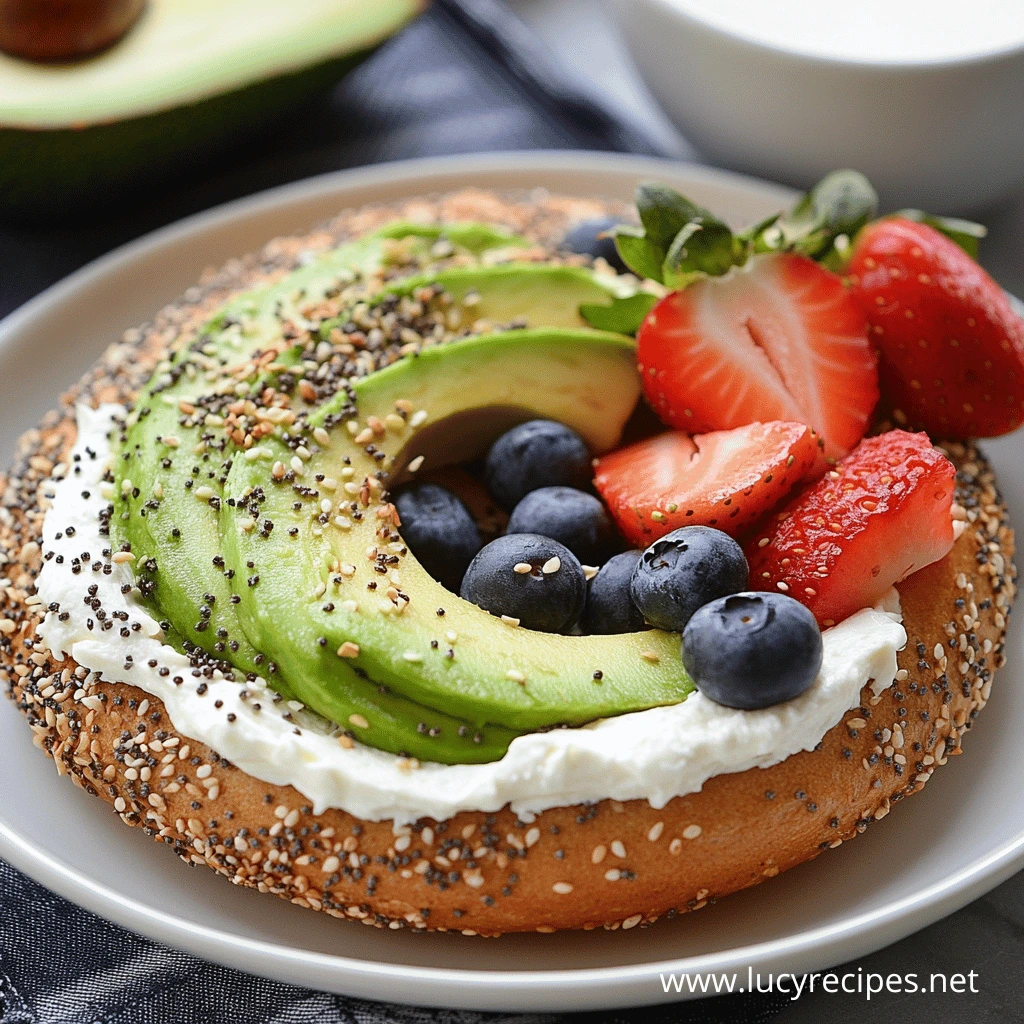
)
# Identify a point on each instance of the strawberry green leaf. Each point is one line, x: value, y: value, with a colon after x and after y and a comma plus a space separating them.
x: 965, y: 233
x: 700, y: 248
x: 664, y: 213
x: 839, y: 205
x: 639, y: 253
x: 624, y: 315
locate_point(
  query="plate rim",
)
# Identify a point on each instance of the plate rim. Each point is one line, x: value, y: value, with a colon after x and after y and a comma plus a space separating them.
x: 510, y: 990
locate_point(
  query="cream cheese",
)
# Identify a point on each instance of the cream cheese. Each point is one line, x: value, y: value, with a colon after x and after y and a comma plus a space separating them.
x: 653, y: 755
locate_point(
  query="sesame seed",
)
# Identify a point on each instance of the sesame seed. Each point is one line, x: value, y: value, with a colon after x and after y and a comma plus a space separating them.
x: 121, y: 557
x: 321, y: 437
x: 691, y: 831
x: 418, y: 419
x: 650, y: 656
x: 675, y: 847
x: 632, y: 922
x: 598, y: 854
x: 348, y: 650
x: 509, y: 620
x: 358, y: 721
x: 655, y: 833
x: 516, y: 676
x: 532, y: 837
x: 590, y: 571
x: 412, y: 656
x: 612, y: 875
x: 415, y: 464
x: 562, y: 888
x: 522, y: 568
x: 552, y: 565
x: 618, y: 849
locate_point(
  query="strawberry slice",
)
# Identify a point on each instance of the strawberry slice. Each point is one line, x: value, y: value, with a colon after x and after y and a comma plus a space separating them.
x: 777, y: 339
x: 883, y: 513
x: 727, y: 479
x: 952, y: 348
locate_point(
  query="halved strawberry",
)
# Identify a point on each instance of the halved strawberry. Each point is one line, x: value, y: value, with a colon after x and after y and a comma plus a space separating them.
x: 777, y: 339
x: 727, y: 479
x: 881, y: 514
x: 952, y: 347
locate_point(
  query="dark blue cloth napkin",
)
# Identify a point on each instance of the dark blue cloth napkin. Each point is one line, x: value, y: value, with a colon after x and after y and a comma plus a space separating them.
x: 465, y: 77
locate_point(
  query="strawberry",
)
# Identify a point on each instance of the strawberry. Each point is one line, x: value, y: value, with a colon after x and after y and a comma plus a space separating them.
x: 727, y: 479
x: 952, y: 348
x: 777, y: 339
x: 881, y: 514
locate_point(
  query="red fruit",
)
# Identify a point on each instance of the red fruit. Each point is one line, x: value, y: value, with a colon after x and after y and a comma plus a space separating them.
x: 883, y: 513
x: 952, y: 348
x: 777, y: 339
x: 727, y: 479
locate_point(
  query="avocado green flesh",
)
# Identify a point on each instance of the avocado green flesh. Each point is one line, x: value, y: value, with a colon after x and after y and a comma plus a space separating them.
x: 195, y: 592
x: 536, y: 293
x: 166, y: 526
x: 494, y: 673
x: 191, y: 80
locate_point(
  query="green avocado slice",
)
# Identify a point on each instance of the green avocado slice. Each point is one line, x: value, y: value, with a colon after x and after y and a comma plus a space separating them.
x: 172, y: 453
x: 168, y: 454
x: 378, y: 605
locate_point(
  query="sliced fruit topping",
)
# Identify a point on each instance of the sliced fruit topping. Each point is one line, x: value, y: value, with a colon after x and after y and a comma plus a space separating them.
x: 952, y: 347
x: 685, y: 570
x: 777, y: 339
x: 610, y: 605
x: 727, y: 479
x: 439, y: 530
x: 883, y: 513
x: 538, y: 453
x: 528, y: 580
x: 573, y: 518
x: 752, y: 650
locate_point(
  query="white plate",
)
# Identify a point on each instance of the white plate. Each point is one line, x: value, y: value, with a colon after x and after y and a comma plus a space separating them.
x: 960, y: 837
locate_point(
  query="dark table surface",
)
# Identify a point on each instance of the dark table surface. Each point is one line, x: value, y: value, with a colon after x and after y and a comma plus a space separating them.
x: 372, y: 117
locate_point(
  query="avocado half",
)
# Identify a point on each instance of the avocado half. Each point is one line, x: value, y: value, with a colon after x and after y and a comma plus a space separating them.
x: 272, y: 548
x: 191, y: 79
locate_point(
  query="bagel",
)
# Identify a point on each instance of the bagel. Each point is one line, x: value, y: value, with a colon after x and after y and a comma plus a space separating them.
x: 603, y: 864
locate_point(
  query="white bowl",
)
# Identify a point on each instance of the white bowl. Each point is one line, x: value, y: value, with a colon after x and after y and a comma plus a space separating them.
x: 942, y: 132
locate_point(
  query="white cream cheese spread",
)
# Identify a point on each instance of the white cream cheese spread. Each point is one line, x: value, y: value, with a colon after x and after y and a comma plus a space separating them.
x: 653, y: 755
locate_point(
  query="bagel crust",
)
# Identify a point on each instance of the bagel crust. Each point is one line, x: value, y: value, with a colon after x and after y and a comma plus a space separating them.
x: 604, y: 864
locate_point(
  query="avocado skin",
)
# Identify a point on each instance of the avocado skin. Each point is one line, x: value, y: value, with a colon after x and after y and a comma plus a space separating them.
x: 49, y: 175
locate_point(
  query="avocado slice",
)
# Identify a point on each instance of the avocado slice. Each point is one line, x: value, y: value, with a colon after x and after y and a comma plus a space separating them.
x: 190, y: 81
x: 374, y: 608
x: 173, y: 453
x: 169, y: 452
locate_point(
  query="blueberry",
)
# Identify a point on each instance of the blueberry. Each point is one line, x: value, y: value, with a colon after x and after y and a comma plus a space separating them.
x: 539, y: 453
x: 684, y: 570
x: 551, y: 601
x: 610, y: 607
x: 752, y: 650
x: 439, y: 532
x: 585, y: 238
x: 577, y: 520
